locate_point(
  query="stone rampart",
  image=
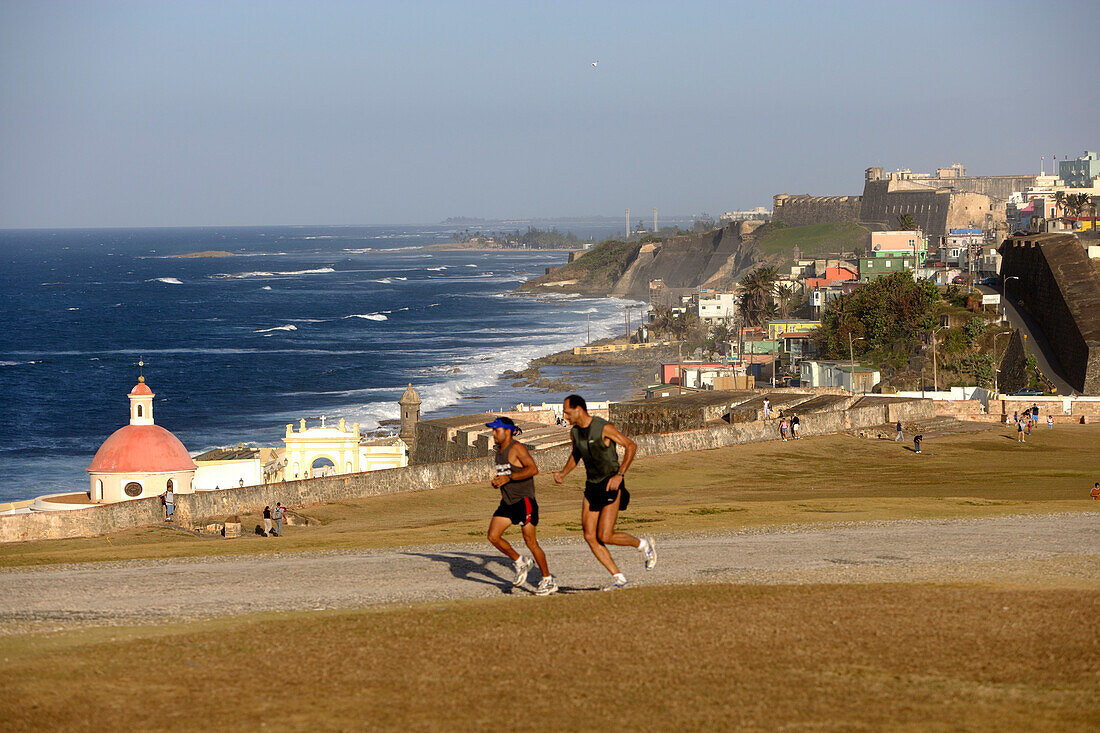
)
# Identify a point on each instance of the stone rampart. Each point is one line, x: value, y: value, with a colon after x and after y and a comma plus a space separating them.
x: 90, y: 522
x: 935, y: 211
x: 801, y: 210
x: 996, y: 187
x: 193, y: 508
x: 1060, y: 288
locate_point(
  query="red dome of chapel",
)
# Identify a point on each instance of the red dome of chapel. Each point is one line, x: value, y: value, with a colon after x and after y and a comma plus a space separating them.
x: 141, y: 449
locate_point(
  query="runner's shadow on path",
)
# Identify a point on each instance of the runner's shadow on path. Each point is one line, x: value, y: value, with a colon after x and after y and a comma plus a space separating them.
x: 473, y: 567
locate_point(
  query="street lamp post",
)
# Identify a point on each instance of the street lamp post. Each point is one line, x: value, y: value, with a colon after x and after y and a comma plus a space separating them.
x: 1004, y: 294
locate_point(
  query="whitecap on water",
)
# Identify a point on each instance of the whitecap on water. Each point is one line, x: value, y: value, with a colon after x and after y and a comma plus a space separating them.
x: 369, y: 316
x: 287, y: 327
x: 166, y: 280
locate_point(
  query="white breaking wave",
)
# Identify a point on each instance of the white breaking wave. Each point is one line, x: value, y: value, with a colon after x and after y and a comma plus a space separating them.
x: 287, y: 327
x: 168, y: 280
x: 480, y: 367
x: 288, y: 273
x: 266, y: 287
x: 369, y: 316
x: 73, y: 309
x: 439, y: 269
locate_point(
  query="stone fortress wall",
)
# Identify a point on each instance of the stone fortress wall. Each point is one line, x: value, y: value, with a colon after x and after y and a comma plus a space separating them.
x: 936, y: 211
x: 191, y: 509
x: 995, y: 187
x: 800, y: 210
x: 1059, y: 286
x: 937, y: 203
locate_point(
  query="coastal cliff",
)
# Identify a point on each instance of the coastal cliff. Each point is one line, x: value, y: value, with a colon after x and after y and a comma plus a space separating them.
x: 626, y: 269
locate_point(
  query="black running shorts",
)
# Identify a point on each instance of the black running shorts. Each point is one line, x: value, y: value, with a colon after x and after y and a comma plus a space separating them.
x: 524, y: 511
x: 598, y: 496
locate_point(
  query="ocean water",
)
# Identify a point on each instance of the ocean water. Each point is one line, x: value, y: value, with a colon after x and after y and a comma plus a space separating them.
x: 302, y: 322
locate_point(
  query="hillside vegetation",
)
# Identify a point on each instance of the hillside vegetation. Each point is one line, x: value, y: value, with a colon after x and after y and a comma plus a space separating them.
x: 812, y: 240
x: 596, y: 271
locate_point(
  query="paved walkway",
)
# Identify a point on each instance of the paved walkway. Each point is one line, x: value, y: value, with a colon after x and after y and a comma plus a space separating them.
x: 900, y: 551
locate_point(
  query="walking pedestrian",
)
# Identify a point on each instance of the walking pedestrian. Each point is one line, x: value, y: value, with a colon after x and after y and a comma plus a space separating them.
x: 898, y: 437
x: 767, y: 408
x: 280, y: 514
x: 1029, y: 423
x: 1050, y: 422
x: 1020, y: 432
x: 916, y: 442
x: 267, y: 521
x: 515, y: 477
x: 1095, y: 493
x: 783, y: 429
x: 595, y: 441
x: 795, y: 424
x: 168, y: 498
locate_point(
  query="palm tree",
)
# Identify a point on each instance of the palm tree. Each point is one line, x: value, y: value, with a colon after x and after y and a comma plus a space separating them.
x: 785, y: 299
x: 758, y: 287
x: 907, y: 223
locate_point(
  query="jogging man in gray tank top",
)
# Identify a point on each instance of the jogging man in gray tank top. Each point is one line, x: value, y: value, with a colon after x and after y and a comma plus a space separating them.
x: 605, y: 495
x: 515, y: 477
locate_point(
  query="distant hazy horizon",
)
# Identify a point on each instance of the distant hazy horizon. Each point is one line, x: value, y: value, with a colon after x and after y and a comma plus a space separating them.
x: 122, y: 113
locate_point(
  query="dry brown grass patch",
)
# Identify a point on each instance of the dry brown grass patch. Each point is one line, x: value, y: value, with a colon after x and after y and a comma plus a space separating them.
x: 693, y: 658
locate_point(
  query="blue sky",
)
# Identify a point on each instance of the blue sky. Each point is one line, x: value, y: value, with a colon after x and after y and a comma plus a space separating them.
x: 240, y: 113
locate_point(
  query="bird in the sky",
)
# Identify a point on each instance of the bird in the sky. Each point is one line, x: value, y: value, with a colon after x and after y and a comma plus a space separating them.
x: 594, y: 63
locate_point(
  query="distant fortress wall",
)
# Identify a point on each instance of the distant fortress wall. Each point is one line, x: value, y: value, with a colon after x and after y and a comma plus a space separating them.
x: 935, y: 210
x: 804, y: 209
x: 995, y: 187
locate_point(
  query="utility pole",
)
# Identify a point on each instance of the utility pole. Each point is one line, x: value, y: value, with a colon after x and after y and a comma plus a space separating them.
x: 654, y: 219
x: 680, y: 367
x: 935, y: 383
x: 589, y: 329
x: 628, y: 223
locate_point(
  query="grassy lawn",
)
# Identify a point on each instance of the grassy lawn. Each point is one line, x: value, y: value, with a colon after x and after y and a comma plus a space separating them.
x: 815, y: 239
x: 712, y: 657
x: 814, y: 480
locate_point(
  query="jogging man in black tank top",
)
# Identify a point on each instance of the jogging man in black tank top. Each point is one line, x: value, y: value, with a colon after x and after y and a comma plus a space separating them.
x: 605, y: 494
x: 515, y: 477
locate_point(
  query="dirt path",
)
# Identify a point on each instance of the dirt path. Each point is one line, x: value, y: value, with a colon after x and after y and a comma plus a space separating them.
x: 1051, y: 549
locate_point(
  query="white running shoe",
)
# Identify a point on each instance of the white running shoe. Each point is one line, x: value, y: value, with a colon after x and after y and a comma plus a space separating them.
x: 615, y: 584
x: 650, y: 554
x: 523, y: 566
x: 547, y: 586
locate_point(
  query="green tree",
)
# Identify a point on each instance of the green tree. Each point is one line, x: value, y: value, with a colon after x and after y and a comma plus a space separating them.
x: 785, y: 299
x: 907, y: 223
x: 703, y: 223
x: 756, y: 295
x: 889, y: 311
